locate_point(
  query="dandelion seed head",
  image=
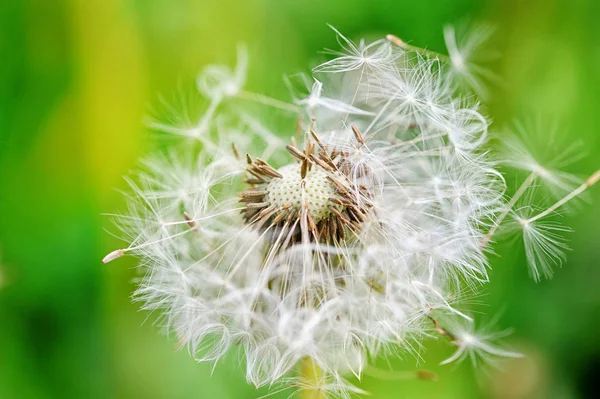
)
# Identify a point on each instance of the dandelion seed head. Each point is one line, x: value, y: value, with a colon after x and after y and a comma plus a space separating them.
x: 338, y: 239
x: 292, y: 191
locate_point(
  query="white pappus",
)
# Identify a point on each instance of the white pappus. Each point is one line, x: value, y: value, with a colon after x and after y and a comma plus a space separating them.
x: 352, y: 237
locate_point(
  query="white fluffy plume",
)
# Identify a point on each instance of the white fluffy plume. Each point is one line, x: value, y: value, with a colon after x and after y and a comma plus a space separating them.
x: 349, y: 238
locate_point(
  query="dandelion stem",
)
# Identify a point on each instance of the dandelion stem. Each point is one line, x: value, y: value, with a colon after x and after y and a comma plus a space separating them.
x: 520, y: 191
x: 312, y: 375
x: 400, y: 375
x: 428, y: 53
x: 593, y: 179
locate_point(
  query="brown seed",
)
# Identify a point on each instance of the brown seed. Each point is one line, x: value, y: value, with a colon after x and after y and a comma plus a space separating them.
x: 253, y: 193
x: 296, y: 152
x: 321, y: 163
x: 314, y: 135
x: 311, y: 148
x: 325, y: 156
x: 235, y: 151
x: 311, y: 224
x: 304, y: 168
x: 338, y: 185
x: 260, y: 162
x: 291, y: 215
x: 332, y: 227
x: 267, y: 211
x: 325, y: 230
x: 341, y: 230
x: 190, y: 222
x: 279, y: 217
x: 358, y: 135
x: 341, y: 201
x: 356, y: 214
x: 262, y: 216
x: 257, y: 205
x: 340, y: 215
x: 254, y: 180
x: 269, y: 171
x: 257, y: 173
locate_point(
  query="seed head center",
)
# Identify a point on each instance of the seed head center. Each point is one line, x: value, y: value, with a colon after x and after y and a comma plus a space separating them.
x: 291, y: 190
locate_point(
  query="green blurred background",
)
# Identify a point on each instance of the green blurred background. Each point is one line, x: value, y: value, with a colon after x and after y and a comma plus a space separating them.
x: 77, y: 77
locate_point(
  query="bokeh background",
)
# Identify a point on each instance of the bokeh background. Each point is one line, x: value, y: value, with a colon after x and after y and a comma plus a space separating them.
x: 77, y: 77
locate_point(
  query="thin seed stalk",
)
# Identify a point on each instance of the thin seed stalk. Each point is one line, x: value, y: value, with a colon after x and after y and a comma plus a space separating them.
x: 312, y: 375
x: 593, y: 179
x: 520, y: 191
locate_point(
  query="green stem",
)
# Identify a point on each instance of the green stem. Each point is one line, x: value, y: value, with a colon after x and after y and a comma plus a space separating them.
x: 313, y: 376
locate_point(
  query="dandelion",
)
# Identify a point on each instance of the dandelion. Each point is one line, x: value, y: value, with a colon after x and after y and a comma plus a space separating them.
x: 468, y: 55
x: 543, y: 238
x: 540, y: 151
x: 372, y: 56
x: 355, y: 238
x: 478, y: 346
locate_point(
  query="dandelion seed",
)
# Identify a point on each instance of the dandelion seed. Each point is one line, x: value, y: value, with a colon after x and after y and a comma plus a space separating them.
x: 468, y: 56
x: 478, y: 347
x: 218, y: 81
x: 372, y: 56
x: 540, y: 150
x: 543, y: 239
